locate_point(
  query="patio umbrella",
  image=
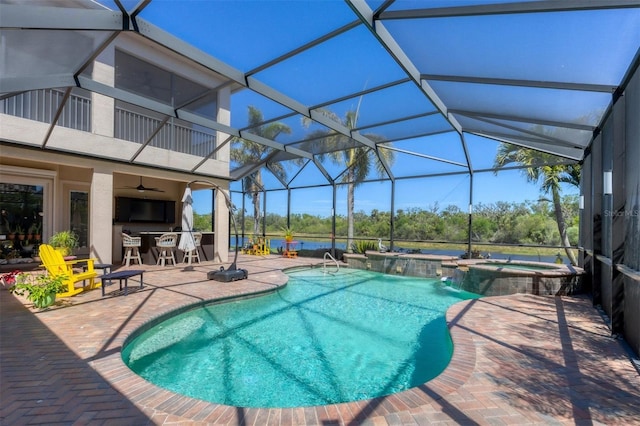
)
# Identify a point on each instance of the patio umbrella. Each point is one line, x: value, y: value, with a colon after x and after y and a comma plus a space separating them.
x: 186, y: 238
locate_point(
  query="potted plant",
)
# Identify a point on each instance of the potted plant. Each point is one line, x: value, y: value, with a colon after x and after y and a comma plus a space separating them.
x: 19, y: 232
x: 34, y: 230
x: 288, y: 234
x: 39, y: 289
x: 64, y: 241
x: 11, y: 231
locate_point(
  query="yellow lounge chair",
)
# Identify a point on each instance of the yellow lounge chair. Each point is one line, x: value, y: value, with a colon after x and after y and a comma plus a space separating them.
x: 56, y: 265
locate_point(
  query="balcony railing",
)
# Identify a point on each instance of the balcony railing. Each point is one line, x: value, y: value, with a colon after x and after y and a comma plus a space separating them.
x: 136, y: 127
x: 42, y: 105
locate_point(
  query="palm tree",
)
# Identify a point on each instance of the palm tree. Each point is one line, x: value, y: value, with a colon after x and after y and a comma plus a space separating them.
x: 253, y: 152
x: 539, y: 168
x: 358, y: 160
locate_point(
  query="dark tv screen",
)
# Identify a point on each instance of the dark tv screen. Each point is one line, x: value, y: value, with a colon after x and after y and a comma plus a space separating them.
x: 144, y: 210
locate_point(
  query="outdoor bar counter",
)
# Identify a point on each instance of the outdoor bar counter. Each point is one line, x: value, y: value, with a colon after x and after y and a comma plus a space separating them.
x: 149, y: 252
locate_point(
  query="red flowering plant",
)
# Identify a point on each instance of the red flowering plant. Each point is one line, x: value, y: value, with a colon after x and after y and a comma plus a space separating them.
x: 9, y: 278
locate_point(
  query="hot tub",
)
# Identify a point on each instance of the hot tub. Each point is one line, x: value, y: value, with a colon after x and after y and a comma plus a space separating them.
x: 496, y: 278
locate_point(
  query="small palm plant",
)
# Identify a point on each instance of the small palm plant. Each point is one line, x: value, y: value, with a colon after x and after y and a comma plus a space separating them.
x: 288, y: 234
x: 64, y: 241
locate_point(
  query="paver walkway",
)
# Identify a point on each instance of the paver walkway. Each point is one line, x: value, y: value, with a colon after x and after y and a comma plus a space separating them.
x: 517, y: 360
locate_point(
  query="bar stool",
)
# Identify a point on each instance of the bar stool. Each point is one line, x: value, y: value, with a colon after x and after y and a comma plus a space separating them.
x: 193, y: 255
x: 165, y: 244
x: 132, y: 249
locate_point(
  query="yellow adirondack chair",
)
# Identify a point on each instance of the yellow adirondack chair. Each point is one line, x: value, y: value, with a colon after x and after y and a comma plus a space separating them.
x: 265, y: 248
x: 56, y: 265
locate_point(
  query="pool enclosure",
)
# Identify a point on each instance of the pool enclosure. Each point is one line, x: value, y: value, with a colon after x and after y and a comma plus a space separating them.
x: 311, y: 107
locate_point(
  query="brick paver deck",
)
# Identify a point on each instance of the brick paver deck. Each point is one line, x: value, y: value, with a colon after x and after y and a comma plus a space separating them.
x: 517, y: 360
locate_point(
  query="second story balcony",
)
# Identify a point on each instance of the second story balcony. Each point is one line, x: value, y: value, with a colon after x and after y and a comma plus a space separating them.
x: 134, y: 126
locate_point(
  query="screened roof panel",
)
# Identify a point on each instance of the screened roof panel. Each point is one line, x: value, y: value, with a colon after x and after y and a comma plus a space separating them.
x: 246, y: 155
x: 420, y: 4
x: 446, y: 147
x: 256, y: 35
x: 568, y: 153
x: 286, y: 169
x: 550, y: 46
x: 268, y: 179
x: 326, y: 144
x: 561, y: 135
x: 333, y: 165
x: 319, y: 75
x: 34, y: 58
x: 336, y: 165
x: 405, y: 98
x: 295, y: 129
x: 503, y: 130
x: 570, y: 106
x: 483, y: 149
x: 477, y: 146
x: 283, y: 156
x: 309, y: 175
x: 428, y: 124
x: 410, y: 164
x: 242, y: 99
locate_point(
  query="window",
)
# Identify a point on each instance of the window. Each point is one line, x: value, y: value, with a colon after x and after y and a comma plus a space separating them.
x: 25, y: 210
x: 79, y: 214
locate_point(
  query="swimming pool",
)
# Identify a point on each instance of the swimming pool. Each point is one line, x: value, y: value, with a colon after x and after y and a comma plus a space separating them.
x: 324, y: 338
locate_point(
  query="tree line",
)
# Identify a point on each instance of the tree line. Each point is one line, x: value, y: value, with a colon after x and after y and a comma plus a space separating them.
x: 526, y: 222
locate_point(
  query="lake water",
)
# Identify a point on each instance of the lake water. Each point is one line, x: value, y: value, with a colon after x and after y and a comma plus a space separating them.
x: 314, y: 245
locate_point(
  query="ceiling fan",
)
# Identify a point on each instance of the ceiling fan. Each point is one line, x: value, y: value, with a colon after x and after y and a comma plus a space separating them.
x: 142, y: 188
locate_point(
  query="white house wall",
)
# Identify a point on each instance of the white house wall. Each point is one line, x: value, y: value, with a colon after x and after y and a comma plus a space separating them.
x: 101, y: 208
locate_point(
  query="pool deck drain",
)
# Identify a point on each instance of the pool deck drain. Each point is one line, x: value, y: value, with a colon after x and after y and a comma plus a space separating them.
x: 518, y: 359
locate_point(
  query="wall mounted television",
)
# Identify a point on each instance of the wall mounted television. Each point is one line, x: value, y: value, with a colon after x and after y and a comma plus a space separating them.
x: 144, y: 210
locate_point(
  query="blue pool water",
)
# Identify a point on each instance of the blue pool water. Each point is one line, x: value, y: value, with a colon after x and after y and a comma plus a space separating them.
x: 324, y: 338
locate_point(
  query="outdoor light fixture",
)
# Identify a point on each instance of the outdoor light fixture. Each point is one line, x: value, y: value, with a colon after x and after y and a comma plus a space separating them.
x: 581, y: 202
x: 607, y: 182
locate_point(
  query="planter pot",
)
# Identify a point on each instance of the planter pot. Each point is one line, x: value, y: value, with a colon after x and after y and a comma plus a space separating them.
x: 48, y: 300
x: 64, y: 251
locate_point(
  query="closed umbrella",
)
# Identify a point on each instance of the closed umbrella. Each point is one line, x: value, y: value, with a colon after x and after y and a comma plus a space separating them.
x: 186, y: 238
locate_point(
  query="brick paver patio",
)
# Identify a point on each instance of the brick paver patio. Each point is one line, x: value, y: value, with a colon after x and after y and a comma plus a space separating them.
x: 518, y: 359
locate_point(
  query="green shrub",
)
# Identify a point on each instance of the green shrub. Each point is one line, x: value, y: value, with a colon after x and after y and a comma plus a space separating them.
x: 361, y: 246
